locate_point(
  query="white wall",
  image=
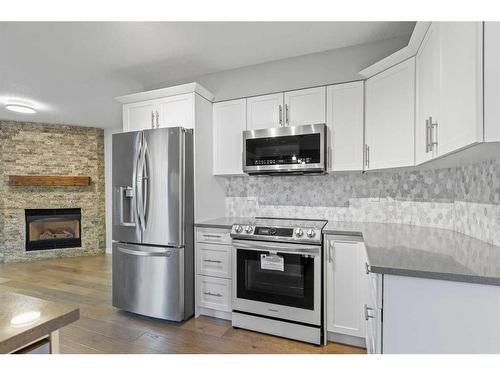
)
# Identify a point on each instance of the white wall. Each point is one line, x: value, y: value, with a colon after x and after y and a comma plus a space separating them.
x: 335, y: 66
x: 108, y: 189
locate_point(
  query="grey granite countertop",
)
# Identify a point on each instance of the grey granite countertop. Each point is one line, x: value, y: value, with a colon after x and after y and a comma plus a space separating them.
x: 409, y: 250
x: 45, y: 317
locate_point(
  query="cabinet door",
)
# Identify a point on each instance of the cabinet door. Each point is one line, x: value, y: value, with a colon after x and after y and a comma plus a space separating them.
x: 229, y: 124
x: 138, y: 116
x: 345, y: 120
x: 390, y: 111
x: 461, y: 86
x: 491, y: 81
x: 345, y: 288
x: 265, y: 111
x: 304, y: 107
x: 176, y: 111
x: 428, y: 81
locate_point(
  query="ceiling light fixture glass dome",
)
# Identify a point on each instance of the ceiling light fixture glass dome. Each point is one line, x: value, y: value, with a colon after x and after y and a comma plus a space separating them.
x: 20, y: 108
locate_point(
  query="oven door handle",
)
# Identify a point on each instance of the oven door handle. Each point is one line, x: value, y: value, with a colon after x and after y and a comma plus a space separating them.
x: 275, y: 247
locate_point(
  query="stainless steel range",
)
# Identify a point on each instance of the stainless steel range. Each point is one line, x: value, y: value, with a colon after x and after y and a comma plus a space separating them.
x: 277, y: 277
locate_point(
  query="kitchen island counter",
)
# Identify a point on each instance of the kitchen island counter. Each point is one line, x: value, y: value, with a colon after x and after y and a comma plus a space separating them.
x: 26, y: 321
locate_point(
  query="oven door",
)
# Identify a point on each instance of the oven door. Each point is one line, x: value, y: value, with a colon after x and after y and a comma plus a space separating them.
x: 278, y: 280
x: 295, y: 149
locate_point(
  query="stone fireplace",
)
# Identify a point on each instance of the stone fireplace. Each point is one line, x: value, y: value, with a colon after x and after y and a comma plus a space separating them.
x: 38, y: 222
x: 56, y: 228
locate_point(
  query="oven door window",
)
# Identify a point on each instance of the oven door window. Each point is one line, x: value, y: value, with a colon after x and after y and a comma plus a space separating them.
x: 290, y: 283
x: 291, y: 149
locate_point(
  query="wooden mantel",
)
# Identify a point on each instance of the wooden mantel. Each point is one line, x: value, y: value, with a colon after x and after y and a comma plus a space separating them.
x: 31, y: 180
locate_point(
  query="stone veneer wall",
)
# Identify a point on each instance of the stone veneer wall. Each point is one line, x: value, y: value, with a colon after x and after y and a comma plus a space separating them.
x: 47, y: 149
x: 465, y: 199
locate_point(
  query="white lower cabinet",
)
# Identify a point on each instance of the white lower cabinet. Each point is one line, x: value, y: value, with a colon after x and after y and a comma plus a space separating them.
x: 345, y: 289
x: 213, y: 259
x: 213, y: 255
x: 213, y: 293
x: 427, y: 316
x: 372, y: 311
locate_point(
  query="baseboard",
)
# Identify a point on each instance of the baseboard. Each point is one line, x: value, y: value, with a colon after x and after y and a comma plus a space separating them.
x: 340, y: 338
x: 212, y: 313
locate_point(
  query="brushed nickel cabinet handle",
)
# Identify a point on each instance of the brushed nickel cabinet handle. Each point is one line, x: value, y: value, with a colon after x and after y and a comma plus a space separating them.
x: 212, y: 261
x: 152, y: 120
x: 280, y: 114
x: 213, y: 294
x: 212, y: 235
x: 427, y: 132
x: 287, y: 119
x: 434, y: 135
x: 367, y: 314
x: 330, y: 251
x: 367, y: 268
x: 157, y: 119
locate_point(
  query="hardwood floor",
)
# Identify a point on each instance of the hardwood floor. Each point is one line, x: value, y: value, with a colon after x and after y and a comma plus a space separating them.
x: 86, y: 281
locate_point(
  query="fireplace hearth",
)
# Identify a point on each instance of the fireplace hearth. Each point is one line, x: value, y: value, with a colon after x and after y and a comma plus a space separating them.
x: 54, y: 228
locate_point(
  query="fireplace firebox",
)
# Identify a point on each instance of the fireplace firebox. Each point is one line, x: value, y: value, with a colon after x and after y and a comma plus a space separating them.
x: 53, y: 228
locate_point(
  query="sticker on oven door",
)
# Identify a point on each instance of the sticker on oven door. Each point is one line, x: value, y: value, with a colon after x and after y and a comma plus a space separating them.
x: 272, y: 262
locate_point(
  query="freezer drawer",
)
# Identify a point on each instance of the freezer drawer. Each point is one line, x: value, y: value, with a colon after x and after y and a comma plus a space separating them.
x: 149, y: 280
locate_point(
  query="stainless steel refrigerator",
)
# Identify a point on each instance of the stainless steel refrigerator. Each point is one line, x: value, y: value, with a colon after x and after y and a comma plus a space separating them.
x: 153, y: 244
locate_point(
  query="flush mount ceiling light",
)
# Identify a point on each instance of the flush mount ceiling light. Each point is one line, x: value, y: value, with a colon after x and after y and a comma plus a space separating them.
x: 20, y: 108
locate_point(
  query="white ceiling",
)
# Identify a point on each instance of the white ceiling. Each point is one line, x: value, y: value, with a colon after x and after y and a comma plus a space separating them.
x: 73, y: 71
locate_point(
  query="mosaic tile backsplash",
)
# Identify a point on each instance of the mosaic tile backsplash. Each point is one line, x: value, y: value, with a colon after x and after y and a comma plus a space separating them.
x: 465, y: 199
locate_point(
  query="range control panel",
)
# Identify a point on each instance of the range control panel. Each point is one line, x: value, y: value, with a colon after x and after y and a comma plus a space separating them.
x: 301, y: 234
x: 271, y: 231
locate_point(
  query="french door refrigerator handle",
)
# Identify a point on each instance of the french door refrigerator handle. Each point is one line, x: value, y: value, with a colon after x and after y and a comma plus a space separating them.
x: 135, y: 185
x: 146, y: 176
x: 161, y: 253
x: 139, y: 184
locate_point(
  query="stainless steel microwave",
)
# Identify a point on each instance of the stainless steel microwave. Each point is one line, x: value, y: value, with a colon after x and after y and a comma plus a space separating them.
x: 287, y: 150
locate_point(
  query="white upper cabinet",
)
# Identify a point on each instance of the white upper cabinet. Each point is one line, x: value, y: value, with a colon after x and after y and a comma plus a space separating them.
x: 390, y: 117
x: 305, y: 107
x: 138, y: 116
x: 492, y: 81
x: 461, y: 86
x: 345, y: 121
x: 162, y: 108
x: 428, y: 81
x: 449, y: 89
x: 176, y: 111
x: 345, y: 287
x: 229, y: 121
x: 265, y: 111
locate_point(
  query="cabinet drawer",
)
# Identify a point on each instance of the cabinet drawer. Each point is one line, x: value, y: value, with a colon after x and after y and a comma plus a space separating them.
x: 213, y: 235
x: 213, y: 293
x: 213, y: 259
